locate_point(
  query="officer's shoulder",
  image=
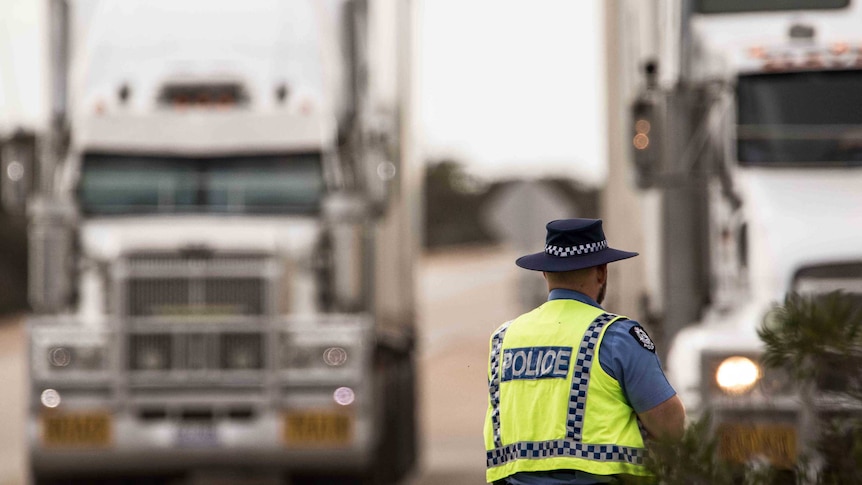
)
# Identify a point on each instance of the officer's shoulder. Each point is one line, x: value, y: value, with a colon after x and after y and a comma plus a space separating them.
x: 503, y: 326
x: 622, y: 324
x: 633, y: 332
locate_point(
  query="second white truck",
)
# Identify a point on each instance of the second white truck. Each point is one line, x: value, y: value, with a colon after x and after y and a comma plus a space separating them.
x: 749, y: 126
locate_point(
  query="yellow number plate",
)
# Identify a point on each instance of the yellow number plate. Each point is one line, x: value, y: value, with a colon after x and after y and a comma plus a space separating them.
x: 318, y: 428
x: 77, y: 429
x: 740, y: 443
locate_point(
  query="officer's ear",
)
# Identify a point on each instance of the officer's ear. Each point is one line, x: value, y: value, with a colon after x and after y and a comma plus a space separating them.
x: 602, y: 274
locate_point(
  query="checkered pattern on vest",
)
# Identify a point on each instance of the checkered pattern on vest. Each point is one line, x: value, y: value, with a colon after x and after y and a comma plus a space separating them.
x: 572, y: 445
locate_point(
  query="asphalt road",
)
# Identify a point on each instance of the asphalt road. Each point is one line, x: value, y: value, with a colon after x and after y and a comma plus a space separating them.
x: 12, y: 399
x: 463, y: 295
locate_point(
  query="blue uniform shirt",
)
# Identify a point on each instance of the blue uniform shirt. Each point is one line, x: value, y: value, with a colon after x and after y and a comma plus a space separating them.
x: 638, y: 371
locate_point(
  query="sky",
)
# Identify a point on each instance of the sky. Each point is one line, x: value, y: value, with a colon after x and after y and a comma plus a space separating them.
x: 514, y: 87
x: 508, y: 87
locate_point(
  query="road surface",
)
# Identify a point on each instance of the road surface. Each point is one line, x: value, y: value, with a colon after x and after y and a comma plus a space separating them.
x: 463, y: 295
x: 12, y: 402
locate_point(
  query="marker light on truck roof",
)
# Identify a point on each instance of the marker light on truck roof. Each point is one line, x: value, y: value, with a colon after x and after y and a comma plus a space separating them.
x: 306, y: 106
x: 737, y: 375
x: 839, y: 48
x: 757, y: 52
x: 836, y: 54
x: 813, y: 60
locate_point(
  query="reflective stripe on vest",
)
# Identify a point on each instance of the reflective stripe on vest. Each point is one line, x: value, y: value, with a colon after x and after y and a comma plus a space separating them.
x: 494, y: 385
x: 572, y: 445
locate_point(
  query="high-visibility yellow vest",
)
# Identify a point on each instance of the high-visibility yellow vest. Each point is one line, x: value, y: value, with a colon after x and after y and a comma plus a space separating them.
x: 551, y: 405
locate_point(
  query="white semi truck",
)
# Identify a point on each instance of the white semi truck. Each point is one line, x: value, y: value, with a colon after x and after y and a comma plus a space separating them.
x: 221, y: 244
x: 748, y: 125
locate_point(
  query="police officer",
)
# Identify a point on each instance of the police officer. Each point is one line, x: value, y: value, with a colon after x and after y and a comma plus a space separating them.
x: 573, y: 389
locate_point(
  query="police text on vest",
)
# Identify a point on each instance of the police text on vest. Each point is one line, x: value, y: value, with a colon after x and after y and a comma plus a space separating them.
x: 536, y: 363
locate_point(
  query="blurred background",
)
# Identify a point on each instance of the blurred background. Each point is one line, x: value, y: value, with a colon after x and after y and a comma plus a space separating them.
x: 267, y: 242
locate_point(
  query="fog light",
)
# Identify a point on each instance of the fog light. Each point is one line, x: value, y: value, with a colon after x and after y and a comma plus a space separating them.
x: 344, y: 396
x: 152, y: 359
x: 737, y: 375
x: 50, y: 398
x: 243, y: 357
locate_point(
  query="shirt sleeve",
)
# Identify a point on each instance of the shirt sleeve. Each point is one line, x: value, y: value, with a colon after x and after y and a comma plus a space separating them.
x: 638, y: 370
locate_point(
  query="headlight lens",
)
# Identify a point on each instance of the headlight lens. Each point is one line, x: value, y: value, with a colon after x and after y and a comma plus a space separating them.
x: 300, y: 356
x: 335, y: 356
x: 737, y: 375
x: 80, y: 358
x: 59, y: 356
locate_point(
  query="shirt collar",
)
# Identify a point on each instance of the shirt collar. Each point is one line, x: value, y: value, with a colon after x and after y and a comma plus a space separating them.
x: 565, y: 294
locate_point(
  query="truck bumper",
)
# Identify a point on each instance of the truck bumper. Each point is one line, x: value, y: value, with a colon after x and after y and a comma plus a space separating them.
x: 137, y: 446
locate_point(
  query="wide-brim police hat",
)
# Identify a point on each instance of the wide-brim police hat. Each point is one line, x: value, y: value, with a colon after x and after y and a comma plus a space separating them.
x: 573, y: 244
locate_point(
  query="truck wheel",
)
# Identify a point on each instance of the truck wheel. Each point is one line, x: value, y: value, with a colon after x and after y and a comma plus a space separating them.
x: 396, y: 455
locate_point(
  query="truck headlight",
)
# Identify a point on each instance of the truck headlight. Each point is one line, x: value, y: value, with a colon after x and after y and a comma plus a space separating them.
x: 335, y: 356
x: 299, y: 356
x: 59, y: 357
x: 737, y: 375
x: 76, y: 357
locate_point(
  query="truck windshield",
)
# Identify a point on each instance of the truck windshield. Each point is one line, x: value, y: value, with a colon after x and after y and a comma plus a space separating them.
x: 737, y: 6
x: 800, y: 118
x: 264, y: 184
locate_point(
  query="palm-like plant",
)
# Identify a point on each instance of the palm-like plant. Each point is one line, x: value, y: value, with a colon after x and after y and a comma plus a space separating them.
x: 818, y: 340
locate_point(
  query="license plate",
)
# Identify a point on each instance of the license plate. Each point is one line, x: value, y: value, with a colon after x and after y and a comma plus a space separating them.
x: 86, y: 430
x: 318, y: 428
x: 197, y: 435
x: 741, y: 443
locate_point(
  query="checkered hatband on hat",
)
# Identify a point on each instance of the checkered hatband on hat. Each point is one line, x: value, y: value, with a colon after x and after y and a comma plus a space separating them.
x: 581, y: 249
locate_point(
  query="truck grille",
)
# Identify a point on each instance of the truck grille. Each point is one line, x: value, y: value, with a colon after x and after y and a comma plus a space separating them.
x: 196, y: 352
x: 170, y: 285
x: 168, y: 295
x: 153, y: 297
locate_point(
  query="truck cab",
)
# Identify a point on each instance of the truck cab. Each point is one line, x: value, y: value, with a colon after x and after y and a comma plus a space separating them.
x: 780, y: 176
